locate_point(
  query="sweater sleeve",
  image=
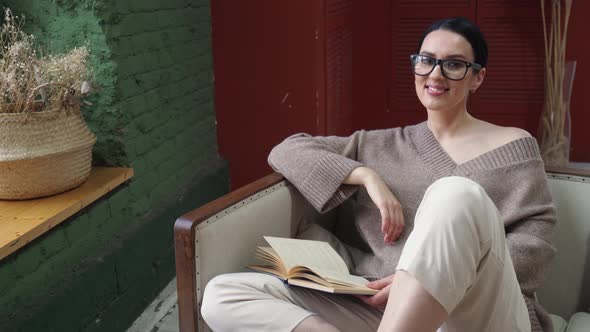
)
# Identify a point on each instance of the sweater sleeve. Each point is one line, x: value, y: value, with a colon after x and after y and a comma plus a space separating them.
x: 530, y: 221
x: 317, y: 166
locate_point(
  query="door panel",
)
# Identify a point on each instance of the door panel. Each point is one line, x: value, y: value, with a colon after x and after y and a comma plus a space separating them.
x: 266, y: 71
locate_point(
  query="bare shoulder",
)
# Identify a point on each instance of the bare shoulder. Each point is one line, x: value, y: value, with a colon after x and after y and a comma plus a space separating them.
x: 498, y: 135
x: 511, y: 133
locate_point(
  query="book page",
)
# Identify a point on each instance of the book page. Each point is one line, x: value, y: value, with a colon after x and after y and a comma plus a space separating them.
x: 269, y: 256
x: 330, y: 289
x: 316, y: 255
x: 347, y: 280
x: 330, y: 280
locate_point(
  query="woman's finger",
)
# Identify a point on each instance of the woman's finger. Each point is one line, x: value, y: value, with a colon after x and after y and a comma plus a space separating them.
x: 380, y: 283
x: 385, y: 223
x: 385, y: 220
x: 393, y: 226
x: 378, y: 300
x: 399, y: 220
x: 399, y: 226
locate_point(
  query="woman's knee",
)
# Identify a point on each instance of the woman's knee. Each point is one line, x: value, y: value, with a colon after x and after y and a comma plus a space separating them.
x: 456, y: 189
x: 457, y: 199
x: 212, y: 306
x: 226, y: 293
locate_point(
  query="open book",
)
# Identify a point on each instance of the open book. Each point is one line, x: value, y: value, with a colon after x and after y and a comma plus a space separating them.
x: 310, y: 264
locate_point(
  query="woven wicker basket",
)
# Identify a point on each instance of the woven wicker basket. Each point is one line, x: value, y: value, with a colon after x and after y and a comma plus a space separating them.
x: 43, y: 153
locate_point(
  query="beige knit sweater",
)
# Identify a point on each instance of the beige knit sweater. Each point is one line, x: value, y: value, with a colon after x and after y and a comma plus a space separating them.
x: 409, y: 160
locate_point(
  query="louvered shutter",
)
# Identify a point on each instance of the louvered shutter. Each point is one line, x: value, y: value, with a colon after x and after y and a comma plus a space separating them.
x: 339, y: 67
x: 512, y: 93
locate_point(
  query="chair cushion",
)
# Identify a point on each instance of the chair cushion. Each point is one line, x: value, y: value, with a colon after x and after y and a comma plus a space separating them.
x: 579, y: 322
x: 559, y: 324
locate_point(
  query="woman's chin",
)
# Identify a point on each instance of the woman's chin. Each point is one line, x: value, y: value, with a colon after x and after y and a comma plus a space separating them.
x: 435, y: 106
x: 439, y: 104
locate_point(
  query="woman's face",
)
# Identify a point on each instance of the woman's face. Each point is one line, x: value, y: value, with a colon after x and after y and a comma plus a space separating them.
x: 436, y: 92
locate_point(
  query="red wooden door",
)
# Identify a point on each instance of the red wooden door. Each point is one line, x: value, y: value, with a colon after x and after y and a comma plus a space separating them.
x: 265, y: 55
x: 281, y: 67
x: 338, y: 59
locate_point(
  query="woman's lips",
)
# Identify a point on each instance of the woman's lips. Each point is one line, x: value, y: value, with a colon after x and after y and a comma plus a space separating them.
x: 434, y: 90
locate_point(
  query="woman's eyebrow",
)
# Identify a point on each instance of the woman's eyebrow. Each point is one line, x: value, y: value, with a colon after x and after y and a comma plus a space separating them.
x: 427, y: 53
x: 450, y: 56
x: 455, y: 56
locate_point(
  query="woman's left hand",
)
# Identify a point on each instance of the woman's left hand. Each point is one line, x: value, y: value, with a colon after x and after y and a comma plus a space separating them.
x: 378, y: 300
x: 392, y: 215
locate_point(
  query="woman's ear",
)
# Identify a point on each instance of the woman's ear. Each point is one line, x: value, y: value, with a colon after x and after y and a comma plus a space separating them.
x: 478, y: 79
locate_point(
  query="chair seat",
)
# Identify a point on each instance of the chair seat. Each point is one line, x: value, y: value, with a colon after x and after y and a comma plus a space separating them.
x: 579, y: 322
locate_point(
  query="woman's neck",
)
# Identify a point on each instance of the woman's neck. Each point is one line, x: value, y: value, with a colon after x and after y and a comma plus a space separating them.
x: 448, y: 124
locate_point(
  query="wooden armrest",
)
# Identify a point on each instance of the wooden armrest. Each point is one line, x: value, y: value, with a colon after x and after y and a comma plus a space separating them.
x: 184, y: 246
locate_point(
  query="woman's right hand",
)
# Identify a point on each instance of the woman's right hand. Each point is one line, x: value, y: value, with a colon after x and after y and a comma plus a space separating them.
x: 378, y: 300
x: 392, y: 217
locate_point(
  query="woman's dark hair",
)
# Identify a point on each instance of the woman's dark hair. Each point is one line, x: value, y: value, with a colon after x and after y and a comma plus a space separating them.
x: 468, y: 30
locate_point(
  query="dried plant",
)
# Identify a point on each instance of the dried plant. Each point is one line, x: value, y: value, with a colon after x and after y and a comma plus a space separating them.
x: 32, y: 83
x: 71, y: 71
x: 554, y: 143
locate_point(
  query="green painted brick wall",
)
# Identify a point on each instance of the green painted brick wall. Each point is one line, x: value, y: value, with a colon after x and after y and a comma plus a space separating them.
x: 154, y: 112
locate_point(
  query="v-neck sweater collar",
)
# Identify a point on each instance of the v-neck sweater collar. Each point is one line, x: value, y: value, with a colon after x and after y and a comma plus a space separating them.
x: 440, y: 163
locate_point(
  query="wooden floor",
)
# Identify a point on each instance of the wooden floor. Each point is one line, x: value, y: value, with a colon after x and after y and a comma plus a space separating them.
x: 161, y: 315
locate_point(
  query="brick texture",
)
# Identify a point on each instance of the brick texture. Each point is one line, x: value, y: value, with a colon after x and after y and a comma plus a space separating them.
x: 154, y: 112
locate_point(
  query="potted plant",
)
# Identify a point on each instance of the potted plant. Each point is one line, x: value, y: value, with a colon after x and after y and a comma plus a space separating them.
x: 45, y: 144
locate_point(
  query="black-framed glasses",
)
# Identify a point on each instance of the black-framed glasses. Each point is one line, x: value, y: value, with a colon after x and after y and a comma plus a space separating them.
x: 452, y: 69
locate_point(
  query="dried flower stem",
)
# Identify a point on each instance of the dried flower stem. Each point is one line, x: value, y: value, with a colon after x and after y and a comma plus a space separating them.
x: 26, y: 80
x: 554, y: 143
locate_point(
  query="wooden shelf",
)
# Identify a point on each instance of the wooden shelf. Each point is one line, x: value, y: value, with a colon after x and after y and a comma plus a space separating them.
x: 23, y: 221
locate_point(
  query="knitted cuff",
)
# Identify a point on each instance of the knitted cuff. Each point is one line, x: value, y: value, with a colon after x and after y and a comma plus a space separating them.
x: 323, y: 186
x: 536, y: 324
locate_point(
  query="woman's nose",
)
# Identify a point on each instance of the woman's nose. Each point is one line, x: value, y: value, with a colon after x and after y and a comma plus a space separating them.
x: 437, y: 71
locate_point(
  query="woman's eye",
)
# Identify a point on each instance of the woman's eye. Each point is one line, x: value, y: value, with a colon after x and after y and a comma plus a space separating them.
x: 454, y: 65
x: 426, y: 61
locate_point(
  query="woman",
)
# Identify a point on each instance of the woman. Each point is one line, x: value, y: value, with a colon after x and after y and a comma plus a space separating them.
x: 466, y: 219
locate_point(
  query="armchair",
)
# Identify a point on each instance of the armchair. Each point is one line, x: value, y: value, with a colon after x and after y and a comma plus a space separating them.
x: 221, y: 237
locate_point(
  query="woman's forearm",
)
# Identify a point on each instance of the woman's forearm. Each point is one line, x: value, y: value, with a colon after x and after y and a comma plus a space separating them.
x: 359, y: 176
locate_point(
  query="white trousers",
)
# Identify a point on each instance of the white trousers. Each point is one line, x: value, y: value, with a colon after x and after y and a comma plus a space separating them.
x: 457, y: 251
